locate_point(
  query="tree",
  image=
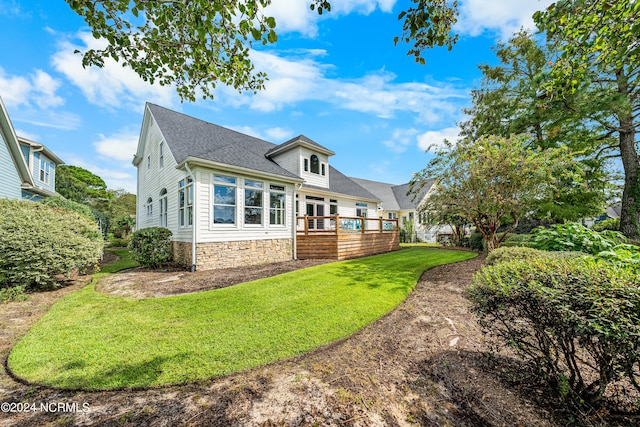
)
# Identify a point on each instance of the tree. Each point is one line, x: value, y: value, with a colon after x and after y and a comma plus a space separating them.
x: 508, y: 102
x: 82, y: 186
x: 600, y: 53
x: 491, y: 180
x: 194, y: 44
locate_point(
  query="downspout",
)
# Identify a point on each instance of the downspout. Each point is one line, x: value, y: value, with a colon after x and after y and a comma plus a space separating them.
x: 194, y: 225
x: 294, y: 227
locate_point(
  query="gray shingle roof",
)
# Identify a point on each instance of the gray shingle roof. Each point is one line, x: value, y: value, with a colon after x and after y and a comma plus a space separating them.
x: 341, y: 184
x: 293, y: 142
x: 394, y: 197
x: 190, y: 137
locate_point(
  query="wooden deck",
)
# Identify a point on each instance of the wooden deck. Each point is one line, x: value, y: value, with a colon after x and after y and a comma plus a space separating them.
x: 336, y: 237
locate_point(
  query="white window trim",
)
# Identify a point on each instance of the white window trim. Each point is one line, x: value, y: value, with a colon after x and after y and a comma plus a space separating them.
x: 283, y: 209
x: 238, y: 206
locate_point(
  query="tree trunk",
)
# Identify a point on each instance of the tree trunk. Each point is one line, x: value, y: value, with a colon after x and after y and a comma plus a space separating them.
x: 629, y: 217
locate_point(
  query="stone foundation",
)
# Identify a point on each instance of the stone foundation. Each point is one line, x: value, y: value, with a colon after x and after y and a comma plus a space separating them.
x: 214, y: 255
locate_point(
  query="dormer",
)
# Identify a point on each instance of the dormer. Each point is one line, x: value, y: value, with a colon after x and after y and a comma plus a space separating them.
x: 305, y: 158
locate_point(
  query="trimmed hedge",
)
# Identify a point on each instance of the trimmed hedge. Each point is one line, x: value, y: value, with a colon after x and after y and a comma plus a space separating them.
x: 577, y: 320
x: 152, y: 247
x: 38, y: 243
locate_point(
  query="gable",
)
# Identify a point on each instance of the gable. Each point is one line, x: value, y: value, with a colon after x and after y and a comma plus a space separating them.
x: 13, y: 168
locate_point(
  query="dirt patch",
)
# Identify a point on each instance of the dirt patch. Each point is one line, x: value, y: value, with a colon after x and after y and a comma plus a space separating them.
x: 145, y: 283
x: 426, y: 363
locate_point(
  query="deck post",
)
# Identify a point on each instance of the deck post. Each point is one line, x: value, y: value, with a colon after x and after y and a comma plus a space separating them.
x: 306, y: 226
x: 362, y: 224
x: 337, y: 224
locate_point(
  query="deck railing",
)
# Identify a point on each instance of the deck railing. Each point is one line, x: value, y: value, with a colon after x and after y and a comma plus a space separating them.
x: 344, y: 224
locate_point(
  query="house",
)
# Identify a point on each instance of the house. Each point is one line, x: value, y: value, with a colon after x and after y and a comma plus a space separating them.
x: 398, y: 202
x: 231, y: 199
x: 27, y: 168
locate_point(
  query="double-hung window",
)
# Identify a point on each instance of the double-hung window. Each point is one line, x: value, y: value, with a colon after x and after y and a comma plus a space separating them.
x: 253, y: 193
x: 45, y: 170
x: 361, y: 209
x: 276, y: 204
x: 224, y: 200
x: 149, y: 208
x: 185, y: 202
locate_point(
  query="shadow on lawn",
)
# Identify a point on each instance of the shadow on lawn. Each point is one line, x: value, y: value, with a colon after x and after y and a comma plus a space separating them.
x: 378, y: 275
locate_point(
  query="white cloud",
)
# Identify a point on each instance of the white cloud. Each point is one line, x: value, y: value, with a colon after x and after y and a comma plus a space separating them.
x: 434, y: 139
x: 120, y: 146
x: 296, y: 16
x: 110, y: 86
x: 301, y: 79
x: 37, y: 86
x: 400, y: 139
x: 502, y: 16
x: 278, y: 134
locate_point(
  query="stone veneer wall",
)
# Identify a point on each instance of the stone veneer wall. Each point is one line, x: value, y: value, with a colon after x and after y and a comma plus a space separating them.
x: 234, y: 254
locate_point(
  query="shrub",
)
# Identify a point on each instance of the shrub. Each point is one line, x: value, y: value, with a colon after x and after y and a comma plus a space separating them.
x: 517, y: 240
x: 575, y: 237
x: 39, y: 242
x: 15, y: 293
x: 151, y: 247
x: 69, y: 205
x: 612, y: 224
x: 476, y: 242
x: 511, y: 253
x: 577, y: 320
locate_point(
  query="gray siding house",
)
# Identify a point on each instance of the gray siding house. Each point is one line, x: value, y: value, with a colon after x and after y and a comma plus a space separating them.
x: 27, y: 168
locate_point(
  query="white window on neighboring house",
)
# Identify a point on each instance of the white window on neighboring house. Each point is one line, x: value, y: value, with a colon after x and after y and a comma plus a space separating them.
x: 149, y: 208
x: 161, y: 156
x: 185, y: 203
x: 361, y: 209
x: 163, y: 208
x: 276, y: 204
x: 393, y: 215
x: 45, y: 171
x: 224, y: 200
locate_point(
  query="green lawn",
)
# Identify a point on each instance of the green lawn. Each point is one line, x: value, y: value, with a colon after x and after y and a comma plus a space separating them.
x: 126, y: 261
x: 93, y: 341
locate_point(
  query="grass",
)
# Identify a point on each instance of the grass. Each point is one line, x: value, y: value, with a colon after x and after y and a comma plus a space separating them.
x: 126, y: 261
x: 93, y: 341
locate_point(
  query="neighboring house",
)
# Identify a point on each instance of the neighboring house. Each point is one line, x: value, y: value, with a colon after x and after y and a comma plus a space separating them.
x: 398, y: 202
x: 14, y: 172
x: 231, y: 199
x: 42, y: 164
x: 27, y: 168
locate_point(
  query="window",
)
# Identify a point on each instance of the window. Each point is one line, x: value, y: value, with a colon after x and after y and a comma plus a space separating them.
x: 315, y: 164
x: 361, y: 209
x: 224, y: 200
x: 323, y: 170
x: 163, y: 208
x: 161, y: 156
x: 185, y: 203
x: 306, y: 165
x: 393, y: 215
x: 276, y: 205
x: 253, y: 202
x: 333, y: 207
x: 149, y: 208
x: 45, y: 170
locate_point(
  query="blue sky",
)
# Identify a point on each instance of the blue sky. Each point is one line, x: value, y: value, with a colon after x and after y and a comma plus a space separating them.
x: 338, y: 79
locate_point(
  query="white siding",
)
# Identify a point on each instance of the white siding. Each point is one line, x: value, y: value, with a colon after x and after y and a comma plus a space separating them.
x: 315, y: 179
x: 290, y: 160
x: 151, y: 181
x: 210, y: 232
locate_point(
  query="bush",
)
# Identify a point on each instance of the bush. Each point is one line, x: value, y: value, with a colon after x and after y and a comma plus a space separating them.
x: 151, y: 247
x: 15, y: 293
x: 517, y: 240
x: 69, y: 205
x: 39, y: 242
x: 577, y: 320
x: 507, y: 253
x: 612, y: 224
x: 575, y: 237
x: 476, y: 242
